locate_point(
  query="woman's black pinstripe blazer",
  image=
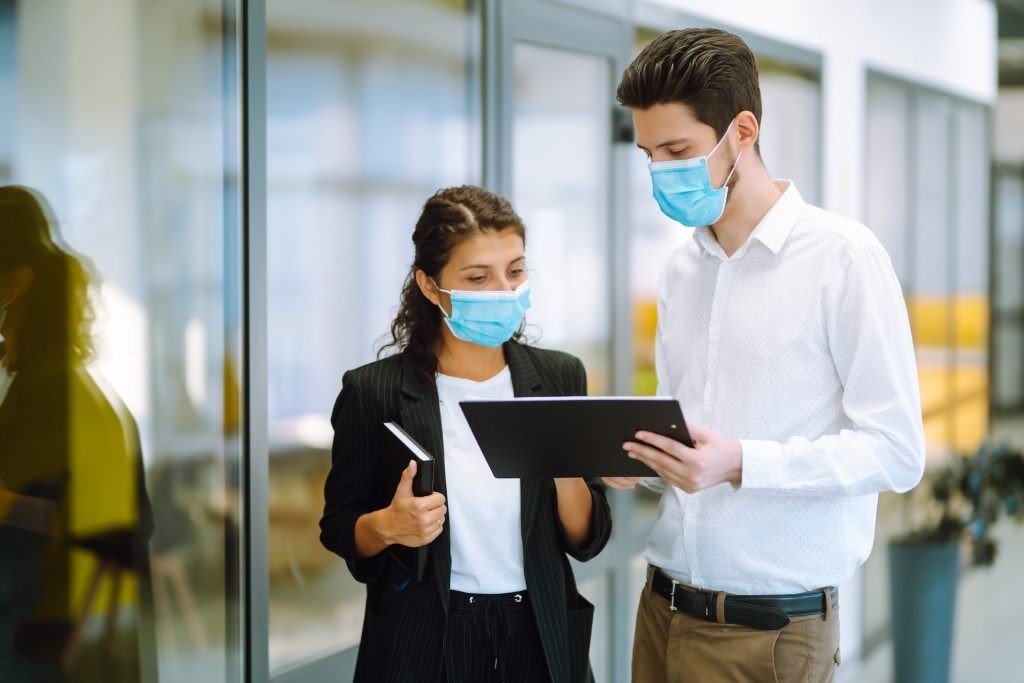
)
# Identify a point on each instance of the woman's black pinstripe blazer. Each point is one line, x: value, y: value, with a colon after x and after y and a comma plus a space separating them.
x: 403, y: 636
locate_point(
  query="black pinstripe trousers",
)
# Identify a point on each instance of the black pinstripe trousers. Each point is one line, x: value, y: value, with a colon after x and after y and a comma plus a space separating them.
x: 494, y: 638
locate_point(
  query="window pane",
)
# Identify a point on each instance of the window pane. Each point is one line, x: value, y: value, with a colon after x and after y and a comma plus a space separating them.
x: 887, y: 179
x: 971, y: 299
x: 121, y: 466
x: 1009, y: 258
x: 790, y: 126
x: 1009, y: 389
x: 930, y: 309
x: 561, y: 103
x: 367, y: 117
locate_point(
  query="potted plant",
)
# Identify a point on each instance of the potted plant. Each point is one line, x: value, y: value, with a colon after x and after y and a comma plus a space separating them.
x: 954, y: 508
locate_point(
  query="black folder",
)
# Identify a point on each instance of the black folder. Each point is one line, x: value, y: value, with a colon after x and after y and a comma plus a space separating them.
x: 569, y: 437
x: 399, y: 449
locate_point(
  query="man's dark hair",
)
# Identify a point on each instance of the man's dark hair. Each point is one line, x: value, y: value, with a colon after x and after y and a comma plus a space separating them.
x: 711, y: 71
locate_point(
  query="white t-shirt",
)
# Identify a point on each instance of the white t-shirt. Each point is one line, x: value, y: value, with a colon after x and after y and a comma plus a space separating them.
x: 483, y: 512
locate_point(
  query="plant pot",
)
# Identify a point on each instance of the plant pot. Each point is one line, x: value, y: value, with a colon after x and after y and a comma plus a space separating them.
x: 922, y: 580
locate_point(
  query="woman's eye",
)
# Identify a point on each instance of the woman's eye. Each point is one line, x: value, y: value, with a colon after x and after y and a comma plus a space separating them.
x: 517, y: 272
x: 477, y: 280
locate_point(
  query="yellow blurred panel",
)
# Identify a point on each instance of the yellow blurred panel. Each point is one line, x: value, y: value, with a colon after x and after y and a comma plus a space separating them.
x: 971, y: 313
x: 970, y: 424
x: 929, y: 320
x: 936, y: 437
x: 645, y: 319
x: 934, y: 384
x: 645, y: 328
x: 969, y: 381
x: 645, y: 382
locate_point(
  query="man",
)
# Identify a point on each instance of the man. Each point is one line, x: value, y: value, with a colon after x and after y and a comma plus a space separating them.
x: 784, y: 335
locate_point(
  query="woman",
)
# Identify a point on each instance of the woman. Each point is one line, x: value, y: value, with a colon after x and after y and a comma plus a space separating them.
x: 499, y: 601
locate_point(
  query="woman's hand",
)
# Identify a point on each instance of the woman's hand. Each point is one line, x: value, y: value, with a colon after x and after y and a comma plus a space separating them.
x: 410, y: 520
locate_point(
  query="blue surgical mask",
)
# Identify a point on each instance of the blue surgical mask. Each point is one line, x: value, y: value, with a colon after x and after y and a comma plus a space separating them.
x: 683, y: 189
x: 487, y: 318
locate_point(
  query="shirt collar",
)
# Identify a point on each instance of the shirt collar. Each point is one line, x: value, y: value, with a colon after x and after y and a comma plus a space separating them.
x: 772, y: 231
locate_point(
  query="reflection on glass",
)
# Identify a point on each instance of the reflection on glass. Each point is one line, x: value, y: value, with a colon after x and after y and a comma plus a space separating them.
x: 561, y: 187
x: 367, y: 116
x: 73, y: 503
x: 119, y: 512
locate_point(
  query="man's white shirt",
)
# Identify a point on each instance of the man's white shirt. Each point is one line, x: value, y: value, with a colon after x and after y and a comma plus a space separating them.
x: 799, y: 346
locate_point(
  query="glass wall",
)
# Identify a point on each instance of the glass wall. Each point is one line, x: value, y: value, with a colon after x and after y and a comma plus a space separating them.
x: 561, y: 182
x: 367, y: 117
x: 928, y: 204
x: 120, y: 408
x: 1008, y: 290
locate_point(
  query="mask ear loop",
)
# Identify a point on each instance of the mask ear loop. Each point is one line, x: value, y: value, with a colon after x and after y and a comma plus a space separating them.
x: 437, y: 287
x: 729, y: 177
x: 735, y: 164
x: 715, y: 148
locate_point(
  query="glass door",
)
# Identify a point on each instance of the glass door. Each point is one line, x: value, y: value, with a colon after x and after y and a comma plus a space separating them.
x: 557, y: 158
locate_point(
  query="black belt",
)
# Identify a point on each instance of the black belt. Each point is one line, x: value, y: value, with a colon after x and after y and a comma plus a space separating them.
x: 757, y: 611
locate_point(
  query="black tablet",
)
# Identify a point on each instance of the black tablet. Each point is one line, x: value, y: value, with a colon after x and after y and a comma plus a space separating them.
x: 569, y: 437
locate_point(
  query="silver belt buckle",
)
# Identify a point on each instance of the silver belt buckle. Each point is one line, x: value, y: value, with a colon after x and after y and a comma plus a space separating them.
x: 672, y: 597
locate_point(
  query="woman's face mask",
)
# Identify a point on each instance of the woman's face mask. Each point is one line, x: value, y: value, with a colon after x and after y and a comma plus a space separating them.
x: 487, y: 318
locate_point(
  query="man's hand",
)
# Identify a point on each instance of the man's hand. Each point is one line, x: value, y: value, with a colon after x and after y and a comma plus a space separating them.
x: 715, y: 458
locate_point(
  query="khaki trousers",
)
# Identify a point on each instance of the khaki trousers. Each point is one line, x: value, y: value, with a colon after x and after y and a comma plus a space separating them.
x: 674, y: 647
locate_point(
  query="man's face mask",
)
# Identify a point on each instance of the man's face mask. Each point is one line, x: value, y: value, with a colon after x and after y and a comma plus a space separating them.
x: 683, y: 189
x: 488, y: 318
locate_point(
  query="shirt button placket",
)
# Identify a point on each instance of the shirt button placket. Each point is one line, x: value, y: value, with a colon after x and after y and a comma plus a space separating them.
x: 710, y: 411
x: 714, y: 337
